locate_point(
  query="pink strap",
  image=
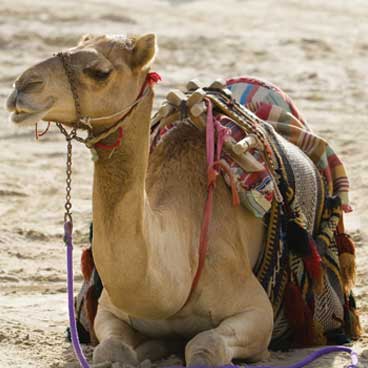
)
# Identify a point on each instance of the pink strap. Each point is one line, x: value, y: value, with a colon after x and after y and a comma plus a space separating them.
x: 210, y: 134
x: 212, y: 174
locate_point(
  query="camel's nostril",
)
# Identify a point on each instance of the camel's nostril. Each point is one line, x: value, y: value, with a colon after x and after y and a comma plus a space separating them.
x: 27, y: 84
x: 33, y: 85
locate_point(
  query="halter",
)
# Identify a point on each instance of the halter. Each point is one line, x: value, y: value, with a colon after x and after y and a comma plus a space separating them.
x: 94, y: 141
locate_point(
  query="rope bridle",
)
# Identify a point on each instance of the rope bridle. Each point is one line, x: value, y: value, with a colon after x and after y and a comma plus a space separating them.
x: 86, y: 121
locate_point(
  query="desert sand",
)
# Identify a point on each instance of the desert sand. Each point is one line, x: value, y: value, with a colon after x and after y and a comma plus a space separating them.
x: 315, y: 50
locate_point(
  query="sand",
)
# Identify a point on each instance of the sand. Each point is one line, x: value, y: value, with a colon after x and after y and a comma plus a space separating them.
x: 315, y: 50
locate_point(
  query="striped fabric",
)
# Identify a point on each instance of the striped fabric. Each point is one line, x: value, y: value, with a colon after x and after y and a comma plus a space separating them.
x: 270, y: 103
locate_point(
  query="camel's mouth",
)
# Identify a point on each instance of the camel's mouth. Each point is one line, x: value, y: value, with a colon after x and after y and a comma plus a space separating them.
x: 27, y: 118
x: 21, y: 117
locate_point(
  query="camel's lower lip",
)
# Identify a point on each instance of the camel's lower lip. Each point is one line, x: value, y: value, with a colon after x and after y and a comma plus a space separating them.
x: 27, y: 118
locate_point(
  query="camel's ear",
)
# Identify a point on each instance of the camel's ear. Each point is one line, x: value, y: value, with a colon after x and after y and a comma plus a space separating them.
x: 85, y: 38
x: 144, y: 51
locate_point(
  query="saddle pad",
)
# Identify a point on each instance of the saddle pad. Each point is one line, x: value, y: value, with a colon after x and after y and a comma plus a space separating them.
x: 273, y: 105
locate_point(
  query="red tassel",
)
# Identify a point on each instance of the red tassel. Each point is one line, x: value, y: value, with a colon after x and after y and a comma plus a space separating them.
x: 313, y: 265
x: 153, y: 78
x: 87, y: 264
x: 294, y: 305
x: 299, y: 316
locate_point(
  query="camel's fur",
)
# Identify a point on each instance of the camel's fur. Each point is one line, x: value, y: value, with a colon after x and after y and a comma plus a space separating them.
x: 147, y: 213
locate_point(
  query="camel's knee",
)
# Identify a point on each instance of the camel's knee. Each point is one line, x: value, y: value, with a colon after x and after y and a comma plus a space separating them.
x: 107, y: 325
x: 248, y: 334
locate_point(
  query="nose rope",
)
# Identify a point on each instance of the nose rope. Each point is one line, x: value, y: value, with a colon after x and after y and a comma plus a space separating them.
x: 40, y: 134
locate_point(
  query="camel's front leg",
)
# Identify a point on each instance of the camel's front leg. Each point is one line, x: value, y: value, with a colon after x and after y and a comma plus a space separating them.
x: 121, y: 343
x: 245, y: 335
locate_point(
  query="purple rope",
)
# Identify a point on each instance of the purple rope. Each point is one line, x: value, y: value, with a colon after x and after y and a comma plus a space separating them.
x: 68, y: 232
x: 316, y: 354
x: 68, y: 238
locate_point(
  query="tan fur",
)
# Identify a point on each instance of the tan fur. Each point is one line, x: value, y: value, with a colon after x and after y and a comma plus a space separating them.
x: 147, y: 213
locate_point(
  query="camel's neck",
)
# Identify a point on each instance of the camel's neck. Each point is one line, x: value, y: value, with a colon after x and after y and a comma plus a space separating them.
x: 119, y: 180
x: 129, y: 249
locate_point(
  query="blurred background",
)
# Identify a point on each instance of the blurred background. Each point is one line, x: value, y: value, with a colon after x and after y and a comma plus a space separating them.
x: 314, y: 50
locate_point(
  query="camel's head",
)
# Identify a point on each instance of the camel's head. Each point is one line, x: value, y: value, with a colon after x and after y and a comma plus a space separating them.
x: 108, y: 70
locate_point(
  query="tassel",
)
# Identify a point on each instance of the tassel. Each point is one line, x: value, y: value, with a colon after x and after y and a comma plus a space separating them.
x: 299, y: 316
x: 319, y: 334
x: 297, y: 238
x: 313, y: 266
x: 87, y: 264
x: 345, y: 243
x: 294, y: 305
x: 91, y: 303
x: 346, y: 249
x: 356, y: 329
x: 348, y: 270
x: 351, y: 318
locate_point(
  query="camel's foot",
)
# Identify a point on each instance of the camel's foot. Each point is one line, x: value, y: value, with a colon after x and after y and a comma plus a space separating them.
x: 113, y: 350
x: 207, y: 349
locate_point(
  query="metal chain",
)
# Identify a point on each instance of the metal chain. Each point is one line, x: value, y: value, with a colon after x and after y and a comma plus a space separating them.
x: 68, y: 181
x: 65, y: 59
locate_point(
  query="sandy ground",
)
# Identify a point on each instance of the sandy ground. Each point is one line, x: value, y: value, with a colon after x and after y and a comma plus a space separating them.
x: 316, y: 50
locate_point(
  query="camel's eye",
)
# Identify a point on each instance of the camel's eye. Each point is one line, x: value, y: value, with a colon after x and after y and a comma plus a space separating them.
x: 97, y: 74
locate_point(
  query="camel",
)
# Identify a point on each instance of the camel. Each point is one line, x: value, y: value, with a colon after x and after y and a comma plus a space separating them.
x: 147, y: 213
